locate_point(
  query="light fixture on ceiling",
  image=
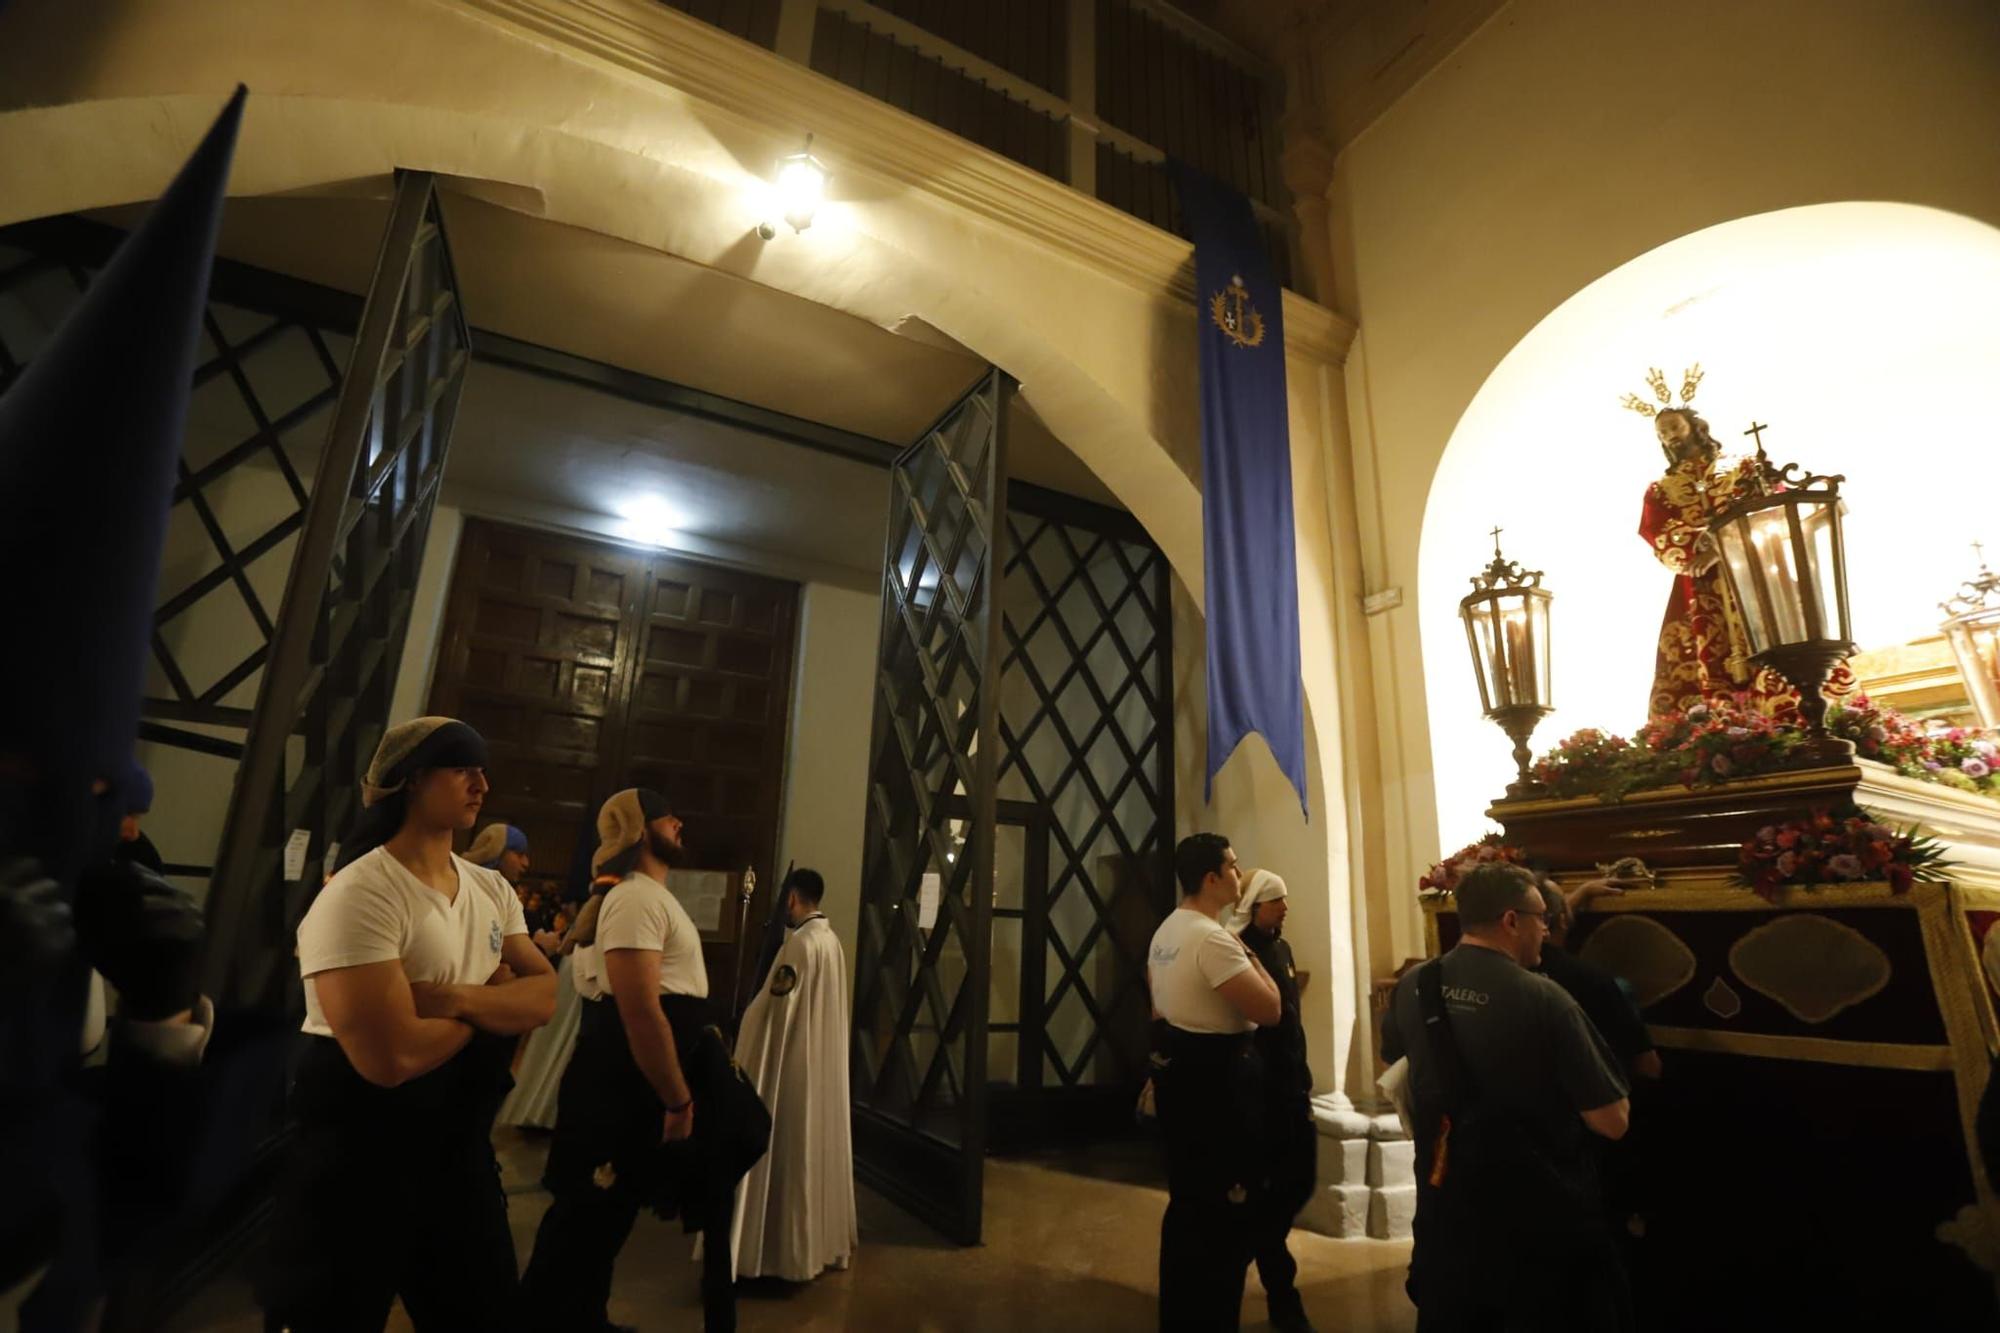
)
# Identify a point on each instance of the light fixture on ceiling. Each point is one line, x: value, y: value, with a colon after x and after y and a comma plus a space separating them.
x: 649, y: 519
x: 800, y: 186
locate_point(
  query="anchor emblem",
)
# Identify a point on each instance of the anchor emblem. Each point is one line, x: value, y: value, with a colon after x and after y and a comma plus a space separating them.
x: 1232, y: 312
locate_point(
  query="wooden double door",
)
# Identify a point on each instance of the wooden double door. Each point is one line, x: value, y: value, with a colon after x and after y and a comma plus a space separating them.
x: 590, y: 667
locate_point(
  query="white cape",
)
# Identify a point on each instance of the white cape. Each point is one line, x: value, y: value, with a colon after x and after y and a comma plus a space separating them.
x: 795, y: 1210
x: 532, y: 1103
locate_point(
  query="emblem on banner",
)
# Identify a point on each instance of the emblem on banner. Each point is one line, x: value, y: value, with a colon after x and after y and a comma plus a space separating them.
x: 785, y: 980
x: 1232, y: 312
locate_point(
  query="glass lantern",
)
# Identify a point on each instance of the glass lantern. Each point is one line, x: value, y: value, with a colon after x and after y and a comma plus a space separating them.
x: 1785, y: 561
x: 1972, y: 628
x: 1506, y: 619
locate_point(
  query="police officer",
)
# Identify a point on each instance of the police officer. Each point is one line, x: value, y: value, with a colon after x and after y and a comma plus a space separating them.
x: 418, y: 976
x: 1211, y: 993
x: 1289, y: 1138
x: 626, y: 1115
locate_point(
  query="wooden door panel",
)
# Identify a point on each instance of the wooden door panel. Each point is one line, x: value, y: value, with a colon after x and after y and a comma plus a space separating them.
x: 591, y: 667
x: 537, y: 641
x: 709, y: 708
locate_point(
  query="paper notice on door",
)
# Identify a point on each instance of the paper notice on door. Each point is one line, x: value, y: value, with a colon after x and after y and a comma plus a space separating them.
x: 929, y: 893
x: 704, y: 893
x: 296, y: 848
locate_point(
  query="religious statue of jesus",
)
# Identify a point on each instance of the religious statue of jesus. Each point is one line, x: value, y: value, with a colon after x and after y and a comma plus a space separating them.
x: 1704, y: 652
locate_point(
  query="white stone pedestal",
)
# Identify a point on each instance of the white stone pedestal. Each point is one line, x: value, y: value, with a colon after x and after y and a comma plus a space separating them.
x: 1367, y: 1174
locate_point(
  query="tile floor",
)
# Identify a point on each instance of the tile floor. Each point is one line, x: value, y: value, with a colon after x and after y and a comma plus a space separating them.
x: 1072, y: 1243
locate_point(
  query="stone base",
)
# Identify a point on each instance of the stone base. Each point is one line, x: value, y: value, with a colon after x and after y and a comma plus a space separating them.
x: 1367, y: 1175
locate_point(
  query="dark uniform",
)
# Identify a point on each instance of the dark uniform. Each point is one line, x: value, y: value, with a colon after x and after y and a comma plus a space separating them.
x: 1208, y: 1088
x: 608, y: 1161
x: 1290, y: 1139
x: 1520, y: 1183
x: 393, y: 1191
x: 1625, y: 1168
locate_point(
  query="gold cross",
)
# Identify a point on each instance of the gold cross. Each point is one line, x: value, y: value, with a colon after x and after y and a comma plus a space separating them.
x: 1495, y: 534
x: 1756, y: 432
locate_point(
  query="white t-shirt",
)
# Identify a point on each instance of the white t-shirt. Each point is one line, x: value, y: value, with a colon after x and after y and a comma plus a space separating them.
x: 639, y: 913
x: 375, y: 910
x: 1191, y: 955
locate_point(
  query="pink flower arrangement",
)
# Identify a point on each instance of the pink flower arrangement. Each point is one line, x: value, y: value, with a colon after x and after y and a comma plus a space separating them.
x: 1445, y: 875
x: 1823, y: 849
x: 1582, y: 763
x: 1953, y: 756
x: 1724, y: 740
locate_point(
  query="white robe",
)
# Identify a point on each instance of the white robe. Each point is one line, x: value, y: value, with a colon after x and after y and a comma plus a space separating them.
x: 532, y: 1103
x: 795, y: 1209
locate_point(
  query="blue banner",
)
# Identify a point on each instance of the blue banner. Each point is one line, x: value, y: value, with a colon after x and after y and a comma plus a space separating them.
x: 1248, y: 546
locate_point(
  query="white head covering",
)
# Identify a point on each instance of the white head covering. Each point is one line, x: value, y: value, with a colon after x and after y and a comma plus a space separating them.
x: 1261, y: 887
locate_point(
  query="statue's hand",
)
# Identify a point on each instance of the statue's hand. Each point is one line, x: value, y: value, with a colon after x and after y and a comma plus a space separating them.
x: 1705, y: 556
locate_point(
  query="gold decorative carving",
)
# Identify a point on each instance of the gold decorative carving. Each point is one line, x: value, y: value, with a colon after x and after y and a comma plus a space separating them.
x: 1721, y: 999
x: 1651, y: 958
x: 1956, y: 979
x: 1815, y: 1050
x: 1811, y: 964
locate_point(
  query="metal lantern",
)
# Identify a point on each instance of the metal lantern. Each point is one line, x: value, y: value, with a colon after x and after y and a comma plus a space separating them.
x: 1506, y: 619
x: 1972, y: 628
x: 1786, y: 563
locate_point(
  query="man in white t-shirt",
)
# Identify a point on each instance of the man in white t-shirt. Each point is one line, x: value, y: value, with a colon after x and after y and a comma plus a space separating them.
x: 629, y: 1088
x: 1211, y: 993
x: 419, y: 977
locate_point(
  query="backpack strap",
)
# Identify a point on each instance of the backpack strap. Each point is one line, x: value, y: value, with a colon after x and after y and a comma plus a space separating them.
x: 1453, y: 1082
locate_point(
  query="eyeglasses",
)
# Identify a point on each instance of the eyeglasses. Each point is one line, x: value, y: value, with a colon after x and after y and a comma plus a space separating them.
x: 1527, y: 911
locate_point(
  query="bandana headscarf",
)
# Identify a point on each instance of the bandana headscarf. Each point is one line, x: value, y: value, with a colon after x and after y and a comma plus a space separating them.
x: 406, y: 749
x: 1261, y: 887
x: 621, y: 824
x: 424, y: 742
x: 494, y: 841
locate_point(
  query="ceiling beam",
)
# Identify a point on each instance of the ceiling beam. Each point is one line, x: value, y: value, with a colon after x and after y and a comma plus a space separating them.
x: 500, y: 350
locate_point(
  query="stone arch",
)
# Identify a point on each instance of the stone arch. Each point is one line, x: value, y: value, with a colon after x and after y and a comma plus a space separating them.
x: 1080, y: 304
x: 1853, y: 328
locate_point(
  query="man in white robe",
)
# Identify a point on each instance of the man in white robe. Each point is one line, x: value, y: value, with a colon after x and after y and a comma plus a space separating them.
x: 795, y: 1214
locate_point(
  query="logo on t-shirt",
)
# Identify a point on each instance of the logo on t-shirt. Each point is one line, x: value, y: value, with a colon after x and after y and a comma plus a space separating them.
x: 1163, y: 956
x: 493, y: 939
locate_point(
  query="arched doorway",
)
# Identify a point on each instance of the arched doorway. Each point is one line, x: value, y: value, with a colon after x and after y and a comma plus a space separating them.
x: 1861, y: 332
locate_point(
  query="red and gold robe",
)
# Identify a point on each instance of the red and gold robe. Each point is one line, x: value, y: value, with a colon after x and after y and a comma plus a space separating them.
x: 1704, y: 652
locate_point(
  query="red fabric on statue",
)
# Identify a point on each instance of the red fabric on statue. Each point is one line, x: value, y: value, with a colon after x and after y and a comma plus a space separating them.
x: 1703, y: 653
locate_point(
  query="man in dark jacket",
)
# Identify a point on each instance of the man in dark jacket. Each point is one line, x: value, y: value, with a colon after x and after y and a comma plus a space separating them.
x: 1291, y: 1140
x: 1603, y: 998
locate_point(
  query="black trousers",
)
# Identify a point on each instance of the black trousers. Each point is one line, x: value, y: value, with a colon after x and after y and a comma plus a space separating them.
x: 1206, y: 1095
x: 1291, y: 1171
x: 568, y: 1283
x: 356, y: 1228
x: 1486, y: 1270
x: 607, y: 1162
x: 391, y: 1192
x: 1276, y: 1268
